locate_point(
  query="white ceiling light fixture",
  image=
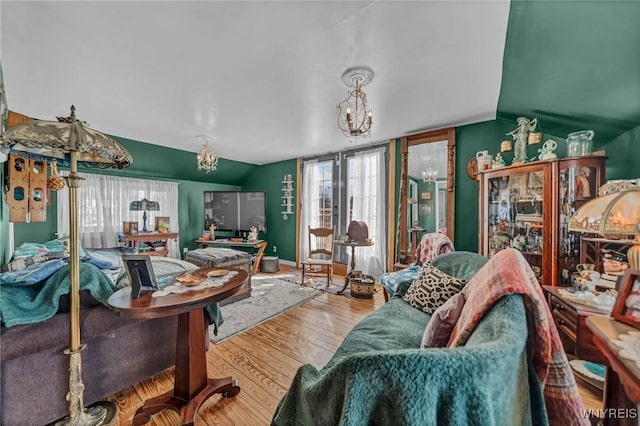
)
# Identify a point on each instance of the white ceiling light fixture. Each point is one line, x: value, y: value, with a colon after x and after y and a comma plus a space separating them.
x: 355, y: 118
x: 207, y: 157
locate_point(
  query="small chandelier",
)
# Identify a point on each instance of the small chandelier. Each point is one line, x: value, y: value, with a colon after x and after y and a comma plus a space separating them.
x: 207, y: 157
x: 429, y: 175
x: 354, y: 117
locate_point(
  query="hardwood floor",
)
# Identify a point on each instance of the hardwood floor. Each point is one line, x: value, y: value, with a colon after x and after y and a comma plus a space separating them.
x: 264, y: 359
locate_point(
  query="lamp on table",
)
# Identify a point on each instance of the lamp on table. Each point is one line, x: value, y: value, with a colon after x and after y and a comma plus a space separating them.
x: 144, y: 205
x: 71, y: 142
x: 616, y: 212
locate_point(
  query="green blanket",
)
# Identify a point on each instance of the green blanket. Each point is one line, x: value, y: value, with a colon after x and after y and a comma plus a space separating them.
x: 369, y: 381
x: 39, y: 302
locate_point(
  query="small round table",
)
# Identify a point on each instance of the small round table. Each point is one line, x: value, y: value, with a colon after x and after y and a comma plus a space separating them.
x: 192, y: 386
x: 353, y: 245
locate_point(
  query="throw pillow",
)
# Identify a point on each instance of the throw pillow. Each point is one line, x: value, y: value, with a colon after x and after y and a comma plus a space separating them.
x: 440, y: 326
x: 432, y: 289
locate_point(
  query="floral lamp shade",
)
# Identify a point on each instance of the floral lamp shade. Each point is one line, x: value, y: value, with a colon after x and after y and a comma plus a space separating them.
x: 144, y: 205
x: 616, y: 214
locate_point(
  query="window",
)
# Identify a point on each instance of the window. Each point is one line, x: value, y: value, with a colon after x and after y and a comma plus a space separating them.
x: 104, y: 204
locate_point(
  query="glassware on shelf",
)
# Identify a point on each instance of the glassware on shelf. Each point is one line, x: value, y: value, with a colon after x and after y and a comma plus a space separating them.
x: 580, y: 143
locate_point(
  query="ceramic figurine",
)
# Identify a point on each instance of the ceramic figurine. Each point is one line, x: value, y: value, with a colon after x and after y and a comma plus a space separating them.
x: 520, y: 135
x: 546, y: 152
x: 253, y: 235
x: 498, y: 161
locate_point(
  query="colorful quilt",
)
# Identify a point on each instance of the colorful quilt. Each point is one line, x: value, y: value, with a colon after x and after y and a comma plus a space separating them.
x: 509, y: 273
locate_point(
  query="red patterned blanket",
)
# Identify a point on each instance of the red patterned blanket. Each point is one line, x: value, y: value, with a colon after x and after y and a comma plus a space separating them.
x: 509, y: 273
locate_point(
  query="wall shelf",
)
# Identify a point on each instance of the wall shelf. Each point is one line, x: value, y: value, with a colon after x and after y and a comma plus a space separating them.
x: 287, y: 196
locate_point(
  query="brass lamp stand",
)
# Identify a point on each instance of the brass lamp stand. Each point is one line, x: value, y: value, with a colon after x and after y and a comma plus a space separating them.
x: 74, y: 138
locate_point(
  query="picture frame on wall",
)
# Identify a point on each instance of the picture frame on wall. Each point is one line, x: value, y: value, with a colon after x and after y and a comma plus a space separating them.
x: 426, y: 195
x: 627, y: 306
x: 425, y: 209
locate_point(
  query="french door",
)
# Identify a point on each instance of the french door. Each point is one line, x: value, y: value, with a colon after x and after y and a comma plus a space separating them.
x: 337, y: 182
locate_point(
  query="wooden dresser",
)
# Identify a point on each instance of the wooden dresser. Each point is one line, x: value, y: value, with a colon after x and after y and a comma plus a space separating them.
x: 570, y: 318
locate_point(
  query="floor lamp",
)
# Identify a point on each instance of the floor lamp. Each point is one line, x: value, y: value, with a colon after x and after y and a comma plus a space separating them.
x: 71, y: 142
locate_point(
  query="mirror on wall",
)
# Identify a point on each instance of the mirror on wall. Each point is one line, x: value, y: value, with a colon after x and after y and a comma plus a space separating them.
x: 426, y: 189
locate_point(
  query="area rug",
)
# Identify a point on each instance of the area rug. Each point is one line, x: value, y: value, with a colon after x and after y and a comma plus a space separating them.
x: 270, y: 296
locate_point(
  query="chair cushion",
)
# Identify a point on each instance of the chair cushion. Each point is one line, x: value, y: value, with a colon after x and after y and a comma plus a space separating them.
x: 432, y: 289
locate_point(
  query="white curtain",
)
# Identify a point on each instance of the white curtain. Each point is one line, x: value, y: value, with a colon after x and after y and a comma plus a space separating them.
x: 104, y: 204
x: 310, y: 211
x: 370, y: 206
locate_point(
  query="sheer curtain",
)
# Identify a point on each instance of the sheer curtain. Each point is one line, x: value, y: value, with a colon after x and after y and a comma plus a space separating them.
x: 310, y: 211
x: 370, y: 206
x: 104, y: 204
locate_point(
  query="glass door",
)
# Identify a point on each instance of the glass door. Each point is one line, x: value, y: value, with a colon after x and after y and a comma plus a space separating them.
x: 516, y: 216
x: 579, y: 181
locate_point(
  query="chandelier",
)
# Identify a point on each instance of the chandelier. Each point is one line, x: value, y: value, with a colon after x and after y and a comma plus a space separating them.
x: 429, y: 175
x: 207, y: 157
x: 354, y: 117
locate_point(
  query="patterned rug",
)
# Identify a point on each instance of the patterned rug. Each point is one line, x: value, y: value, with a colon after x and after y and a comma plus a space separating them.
x: 270, y: 296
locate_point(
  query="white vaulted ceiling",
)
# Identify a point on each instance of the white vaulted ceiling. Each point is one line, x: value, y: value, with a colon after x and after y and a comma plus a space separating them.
x: 262, y: 78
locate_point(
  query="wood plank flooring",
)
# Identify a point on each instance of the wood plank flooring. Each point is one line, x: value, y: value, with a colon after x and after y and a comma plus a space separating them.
x: 264, y: 359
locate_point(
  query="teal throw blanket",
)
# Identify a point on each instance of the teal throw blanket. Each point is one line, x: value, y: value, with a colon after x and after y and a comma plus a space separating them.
x: 39, y: 302
x: 378, y: 379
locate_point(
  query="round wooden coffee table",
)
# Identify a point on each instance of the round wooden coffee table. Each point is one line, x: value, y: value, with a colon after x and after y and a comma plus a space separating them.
x: 192, y: 386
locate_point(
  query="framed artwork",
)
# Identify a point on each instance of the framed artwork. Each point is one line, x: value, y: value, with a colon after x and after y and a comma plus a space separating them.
x: 140, y: 273
x: 130, y: 228
x: 162, y: 223
x: 426, y: 195
x: 627, y: 306
x: 425, y: 209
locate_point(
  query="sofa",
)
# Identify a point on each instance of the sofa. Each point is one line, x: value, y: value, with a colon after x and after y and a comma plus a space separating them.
x: 119, y: 352
x: 380, y: 375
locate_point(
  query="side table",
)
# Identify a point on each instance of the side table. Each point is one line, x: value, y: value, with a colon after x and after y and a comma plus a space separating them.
x: 134, y: 239
x: 353, y: 245
x: 623, y: 373
x: 192, y: 387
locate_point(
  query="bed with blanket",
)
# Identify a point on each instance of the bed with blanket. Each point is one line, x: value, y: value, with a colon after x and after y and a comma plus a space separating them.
x: 34, y: 308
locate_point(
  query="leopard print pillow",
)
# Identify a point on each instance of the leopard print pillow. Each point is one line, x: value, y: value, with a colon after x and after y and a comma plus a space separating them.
x: 432, y: 289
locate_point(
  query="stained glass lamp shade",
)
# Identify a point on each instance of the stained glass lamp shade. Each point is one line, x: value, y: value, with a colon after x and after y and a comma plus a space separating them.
x: 144, y: 205
x: 616, y: 215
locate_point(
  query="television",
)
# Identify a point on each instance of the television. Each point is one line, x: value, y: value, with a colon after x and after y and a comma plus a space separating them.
x: 235, y: 211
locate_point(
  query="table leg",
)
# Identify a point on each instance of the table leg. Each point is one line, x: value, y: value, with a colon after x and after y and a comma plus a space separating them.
x: 353, y: 266
x: 192, y: 387
x: 261, y: 247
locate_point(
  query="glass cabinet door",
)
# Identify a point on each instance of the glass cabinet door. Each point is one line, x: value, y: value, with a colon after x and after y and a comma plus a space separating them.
x: 515, y: 216
x: 578, y: 182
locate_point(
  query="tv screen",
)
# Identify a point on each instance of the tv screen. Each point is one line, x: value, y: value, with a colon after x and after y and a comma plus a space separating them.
x: 235, y: 211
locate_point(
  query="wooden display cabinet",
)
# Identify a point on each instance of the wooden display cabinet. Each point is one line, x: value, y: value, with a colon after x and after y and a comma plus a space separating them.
x: 528, y: 207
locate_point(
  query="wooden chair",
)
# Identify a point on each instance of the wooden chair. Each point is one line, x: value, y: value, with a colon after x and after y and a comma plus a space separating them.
x: 318, y: 263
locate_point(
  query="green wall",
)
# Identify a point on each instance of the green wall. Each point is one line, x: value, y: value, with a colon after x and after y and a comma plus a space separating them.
x: 624, y: 156
x: 281, y: 233
x: 157, y: 162
x: 573, y: 64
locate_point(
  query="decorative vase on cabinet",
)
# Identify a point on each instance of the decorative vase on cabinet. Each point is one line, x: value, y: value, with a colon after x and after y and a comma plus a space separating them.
x: 528, y: 207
